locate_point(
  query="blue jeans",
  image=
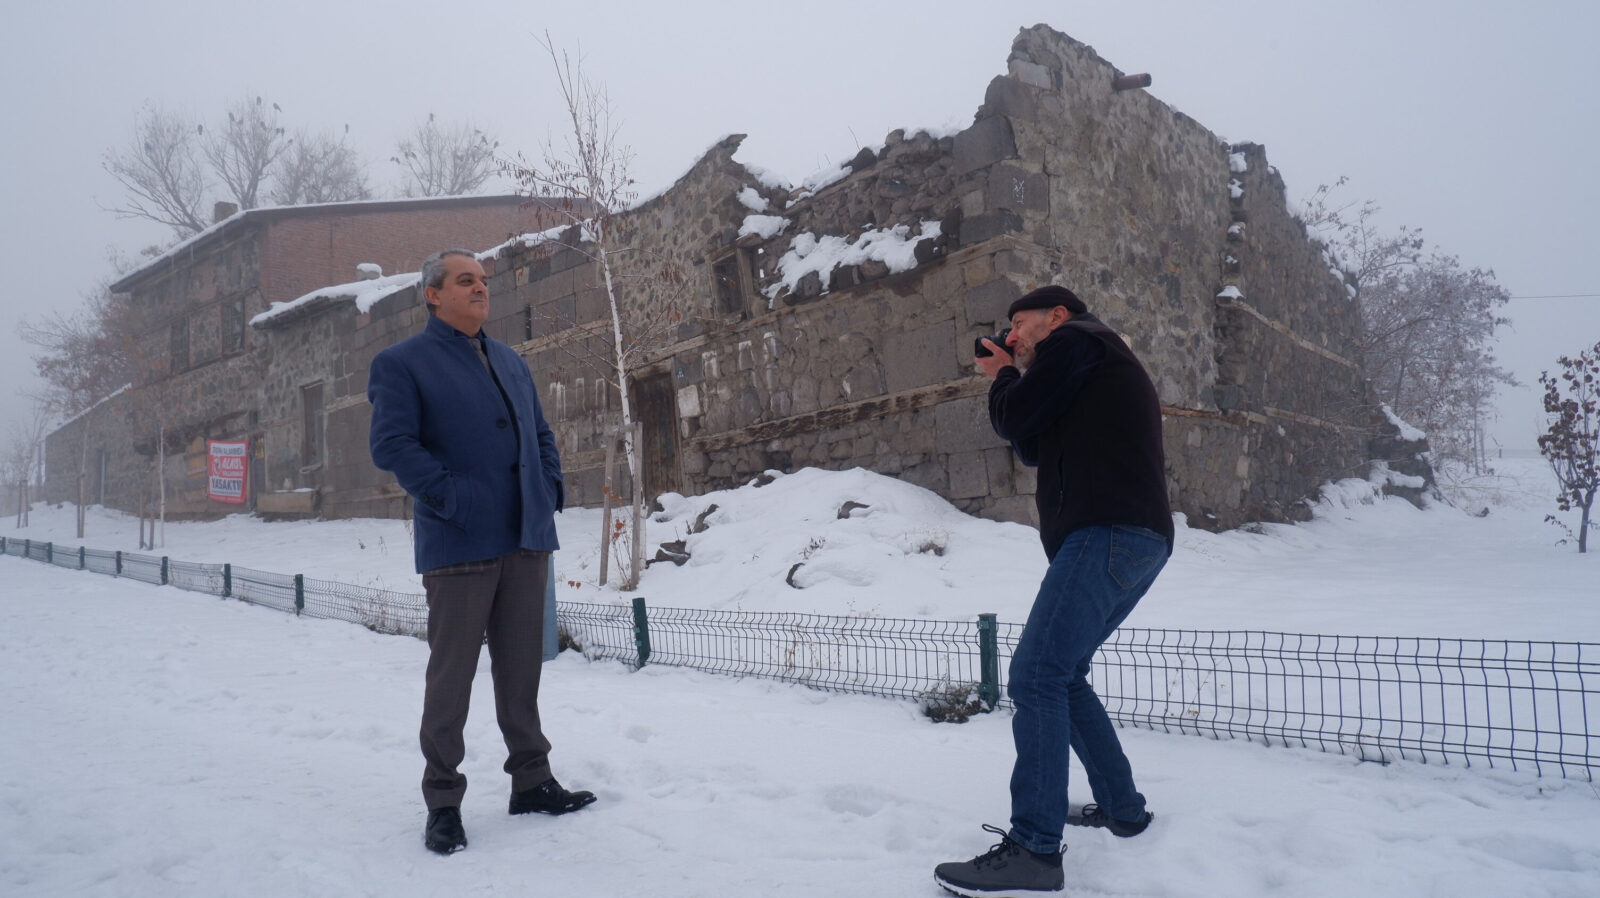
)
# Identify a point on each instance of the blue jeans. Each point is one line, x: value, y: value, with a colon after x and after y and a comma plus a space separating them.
x: 1095, y: 579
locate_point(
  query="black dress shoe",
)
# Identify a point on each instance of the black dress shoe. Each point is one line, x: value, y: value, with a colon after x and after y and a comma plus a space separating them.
x: 444, y: 832
x: 549, y: 798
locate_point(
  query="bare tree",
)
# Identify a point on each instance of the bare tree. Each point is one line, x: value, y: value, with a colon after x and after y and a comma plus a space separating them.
x: 242, y: 151
x: 81, y: 368
x: 1428, y: 326
x: 22, y: 456
x: 160, y: 168
x: 1572, y: 443
x: 173, y: 162
x: 319, y: 168
x: 587, y: 178
x: 138, y: 342
x: 441, y: 160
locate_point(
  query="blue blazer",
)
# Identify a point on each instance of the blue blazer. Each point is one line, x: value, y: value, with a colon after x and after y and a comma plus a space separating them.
x: 486, y: 482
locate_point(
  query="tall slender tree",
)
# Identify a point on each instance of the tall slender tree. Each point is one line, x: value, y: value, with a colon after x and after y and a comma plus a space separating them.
x: 587, y: 177
x: 1572, y: 442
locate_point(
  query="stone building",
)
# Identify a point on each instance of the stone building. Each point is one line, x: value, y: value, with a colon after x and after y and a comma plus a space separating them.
x: 832, y: 325
x: 201, y: 366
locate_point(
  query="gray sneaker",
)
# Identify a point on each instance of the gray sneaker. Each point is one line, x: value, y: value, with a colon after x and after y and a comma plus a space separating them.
x: 1094, y: 815
x: 1006, y: 869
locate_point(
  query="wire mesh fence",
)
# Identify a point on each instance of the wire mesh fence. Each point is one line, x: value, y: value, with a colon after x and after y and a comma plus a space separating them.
x: 100, y: 561
x: 877, y: 656
x: 382, y: 610
x: 1380, y: 698
x: 1523, y: 704
x: 144, y: 568
x: 206, y: 578
x: 263, y: 588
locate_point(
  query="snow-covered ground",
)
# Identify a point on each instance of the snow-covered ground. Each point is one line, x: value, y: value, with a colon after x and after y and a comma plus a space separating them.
x: 1362, y: 568
x: 157, y: 742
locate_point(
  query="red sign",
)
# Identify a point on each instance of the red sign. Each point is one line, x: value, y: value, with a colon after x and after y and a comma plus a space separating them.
x: 229, y: 463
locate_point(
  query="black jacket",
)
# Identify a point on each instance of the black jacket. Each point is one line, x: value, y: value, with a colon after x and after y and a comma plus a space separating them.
x: 1087, y: 415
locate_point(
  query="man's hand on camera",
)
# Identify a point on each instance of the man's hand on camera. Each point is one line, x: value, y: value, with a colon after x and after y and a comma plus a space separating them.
x: 990, y: 365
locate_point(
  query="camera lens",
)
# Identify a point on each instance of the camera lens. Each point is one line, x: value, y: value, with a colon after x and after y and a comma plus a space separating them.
x: 982, y: 351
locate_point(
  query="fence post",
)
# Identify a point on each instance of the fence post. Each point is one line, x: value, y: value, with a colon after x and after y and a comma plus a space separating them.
x: 299, y: 593
x: 49, y: 553
x: 988, y: 661
x: 119, y: 564
x: 2, y: 545
x: 227, y: 581
x: 80, y: 558
x: 641, y: 630
x: 164, y: 570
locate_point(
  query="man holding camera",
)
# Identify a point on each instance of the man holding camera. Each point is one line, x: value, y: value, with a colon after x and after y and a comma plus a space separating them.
x: 1076, y: 403
x: 456, y: 418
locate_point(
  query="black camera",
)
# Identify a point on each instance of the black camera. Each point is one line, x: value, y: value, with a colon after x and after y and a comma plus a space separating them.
x: 982, y: 351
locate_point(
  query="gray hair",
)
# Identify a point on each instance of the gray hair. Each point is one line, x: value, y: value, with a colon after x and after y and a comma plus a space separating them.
x: 433, y: 272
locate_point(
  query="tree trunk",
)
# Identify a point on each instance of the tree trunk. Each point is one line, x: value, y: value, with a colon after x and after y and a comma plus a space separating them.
x: 637, y: 559
x: 605, y: 510
x: 83, y: 472
x: 144, y: 513
x: 161, y: 480
x: 1583, y: 524
x: 630, y: 446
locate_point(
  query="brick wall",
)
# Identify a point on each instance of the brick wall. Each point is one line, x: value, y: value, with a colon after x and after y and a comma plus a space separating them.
x: 303, y: 254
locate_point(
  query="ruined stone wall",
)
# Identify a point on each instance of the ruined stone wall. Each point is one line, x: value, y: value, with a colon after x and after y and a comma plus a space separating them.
x: 1179, y: 241
x: 1060, y: 179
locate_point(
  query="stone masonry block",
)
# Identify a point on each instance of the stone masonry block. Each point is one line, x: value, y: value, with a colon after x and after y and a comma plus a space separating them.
x: 919, y: 357
x: 1016, y: 509
x: 592, y: 305
x: 988, y: 141
x: 1017, y: 190
x: 1012, y: 98
x: 969, y: 475
x: 986, y: 305
x: 1001, y: 462
x: 962, y: 425
x: 979, y: 228
x: 979, y: 271
x: 1031, y: 73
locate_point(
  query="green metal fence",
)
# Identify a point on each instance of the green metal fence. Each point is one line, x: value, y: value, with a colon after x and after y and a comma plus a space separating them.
x: 1497, y: 702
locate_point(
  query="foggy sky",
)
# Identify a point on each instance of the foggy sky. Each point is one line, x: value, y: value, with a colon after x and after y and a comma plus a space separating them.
x: 1475, y: 121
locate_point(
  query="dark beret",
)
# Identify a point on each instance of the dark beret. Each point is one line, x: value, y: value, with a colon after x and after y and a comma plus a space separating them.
x: 1048, y: 298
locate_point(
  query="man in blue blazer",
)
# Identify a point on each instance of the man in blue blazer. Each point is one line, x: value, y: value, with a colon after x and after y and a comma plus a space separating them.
x: 456, y: 419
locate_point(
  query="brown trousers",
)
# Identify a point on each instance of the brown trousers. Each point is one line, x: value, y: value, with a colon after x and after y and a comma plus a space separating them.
x: 503, y: 598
